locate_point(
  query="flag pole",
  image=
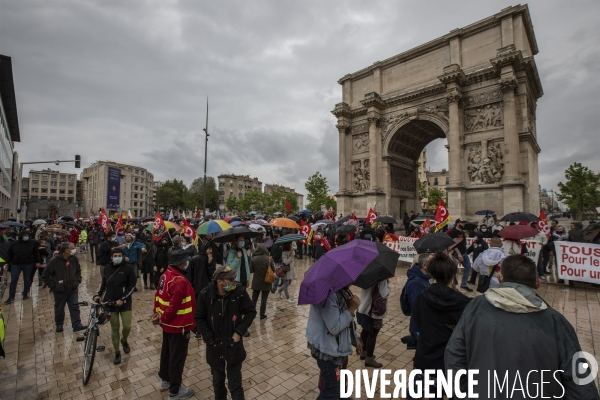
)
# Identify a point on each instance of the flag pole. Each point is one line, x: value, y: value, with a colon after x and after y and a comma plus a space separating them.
x: 205, y: 155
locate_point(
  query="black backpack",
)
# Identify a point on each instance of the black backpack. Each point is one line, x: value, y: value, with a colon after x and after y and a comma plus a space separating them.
x: 404, y: 301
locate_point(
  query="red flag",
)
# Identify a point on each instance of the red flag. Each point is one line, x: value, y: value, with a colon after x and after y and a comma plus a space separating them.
x: 371, y: 217
x: 198, y: 215
x: 187, y: 228
x: 426, y: 227
x: 119, y: 225
x: 103, y: 221
x: 442, y: 216
x: 305, y: 230
x: 129, y: 216
x: 390, y: 237
x: 288, y: 206
x: 543, y: 224
x: 158, y: 229
x: 77, y: 215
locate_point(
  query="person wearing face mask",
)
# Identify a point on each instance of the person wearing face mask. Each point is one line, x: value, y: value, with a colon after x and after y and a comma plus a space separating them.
x: 477, y: 247
x: 117, y: 285
x: 161, y: 260
x: 63, y: 276
x: 174, y: 308
x: 485, y: 231
x: 23, y: 256
x: 320, y: 245
x: 237, y: 259
x: 224, y: 312
x: 131, y: 247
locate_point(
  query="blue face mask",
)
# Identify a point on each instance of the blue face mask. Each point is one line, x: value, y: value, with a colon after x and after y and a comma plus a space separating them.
x: 25, y: 238
x: 117, y: 260
x: 229, y: 287
x: 241, y: 243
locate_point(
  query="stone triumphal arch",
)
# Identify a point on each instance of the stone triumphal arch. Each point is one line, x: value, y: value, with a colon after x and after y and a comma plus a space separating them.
x: 477, y: 87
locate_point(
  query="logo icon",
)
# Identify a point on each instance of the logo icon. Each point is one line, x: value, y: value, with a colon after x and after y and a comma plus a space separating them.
x: 584, y: 368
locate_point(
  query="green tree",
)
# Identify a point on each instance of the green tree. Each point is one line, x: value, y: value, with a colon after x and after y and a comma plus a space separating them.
x: 435, y: 194
x: 196, y: 193
x: 317, y: 188
x: 173, y: 194
x: 422, y: 190
x: 580, y: 192
x: 231, y: 204
x: 275, y: 201
x: 252, y: 200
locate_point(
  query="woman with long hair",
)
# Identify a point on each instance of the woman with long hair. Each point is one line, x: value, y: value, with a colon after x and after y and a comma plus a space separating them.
x: 287, y: 262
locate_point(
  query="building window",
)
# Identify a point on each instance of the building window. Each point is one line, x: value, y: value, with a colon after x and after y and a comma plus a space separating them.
x: 35, y: 182
x: 70, y: 191
x: 136, y: 188
x: 135, y: 196
x: 44, y: 183
x: 61, y: 191
x: 35, y: 190
x: 435, y: 181
x: 54, y: 176
x: 447, y: 180
x: 63, y: 177
x: 71, y: 185
x: 35, y: 175
x: 61, y: 198
x: 137, y: 179
x: 44, y: 190
x: 71, y: 177
x: 52, y: 190
x: 62, y: 184
x: 53, y: 184
x: 44, y: 176
x: 135, y: 203
x: 137, y: 172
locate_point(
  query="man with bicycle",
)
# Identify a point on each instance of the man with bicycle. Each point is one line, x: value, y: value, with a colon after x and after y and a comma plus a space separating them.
x: 63, y: 276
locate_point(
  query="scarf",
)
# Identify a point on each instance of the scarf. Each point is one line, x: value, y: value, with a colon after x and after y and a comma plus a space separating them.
x: 343, y: 297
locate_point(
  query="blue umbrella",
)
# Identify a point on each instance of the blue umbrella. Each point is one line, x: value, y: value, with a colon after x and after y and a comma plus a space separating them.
x: 484, y: 212
x: 305, y: 212
x: 14, y: 224
x: 253, y: 212
x: 235, y: 223
x: 292, y: 237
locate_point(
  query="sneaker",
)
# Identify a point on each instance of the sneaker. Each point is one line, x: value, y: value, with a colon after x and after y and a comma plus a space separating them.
x: 117, y: 359
x: 126, y: 347
x: 184, y: 393
x: 25, y: 297
x: 135, y: 289
x: 543, y: 278
x: 290, y: 300
x: 263, y: 317
x: 164, y: 385
x: 279, y: 295
x: 79, y: 328
x: 59, y: 329
x: 466, y: 288
x: 247, y: 334
x: 9, y: 300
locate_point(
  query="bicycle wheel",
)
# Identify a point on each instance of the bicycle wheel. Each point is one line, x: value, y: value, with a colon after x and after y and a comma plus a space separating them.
x: 89, y: 352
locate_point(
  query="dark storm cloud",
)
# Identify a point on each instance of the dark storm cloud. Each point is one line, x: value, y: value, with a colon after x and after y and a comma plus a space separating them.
x: 128, y: 81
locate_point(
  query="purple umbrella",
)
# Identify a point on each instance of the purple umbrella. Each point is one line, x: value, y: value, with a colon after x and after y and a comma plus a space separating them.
x: 360, y: 261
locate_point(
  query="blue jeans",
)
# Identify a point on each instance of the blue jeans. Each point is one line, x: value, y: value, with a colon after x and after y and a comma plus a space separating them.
x: 15, y: 271
x: 331, y: 386
x: 277, y: 278
x: 467, y: 264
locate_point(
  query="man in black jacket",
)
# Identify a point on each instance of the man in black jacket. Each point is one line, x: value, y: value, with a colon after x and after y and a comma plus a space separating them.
x: 224, y: 312
x: 510, y: 333
x: 63, y: 276
x: 23, y: 256
x: 201, y: 269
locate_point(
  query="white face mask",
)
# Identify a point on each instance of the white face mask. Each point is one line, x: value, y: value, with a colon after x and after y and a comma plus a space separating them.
x: 73, y: 252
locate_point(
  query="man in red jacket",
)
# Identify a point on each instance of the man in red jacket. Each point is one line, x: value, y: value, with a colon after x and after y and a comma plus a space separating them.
x: 174, y: 307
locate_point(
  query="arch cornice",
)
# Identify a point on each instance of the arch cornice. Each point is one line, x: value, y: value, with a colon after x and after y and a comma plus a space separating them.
x: 405, y: 118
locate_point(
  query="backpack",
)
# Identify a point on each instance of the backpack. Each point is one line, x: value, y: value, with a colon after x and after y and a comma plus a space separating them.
x: 404, y: 300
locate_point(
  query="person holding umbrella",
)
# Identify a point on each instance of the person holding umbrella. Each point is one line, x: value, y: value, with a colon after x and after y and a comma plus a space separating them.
x: 237, y: 259
x: 371, y: 312
x: 287, y: 258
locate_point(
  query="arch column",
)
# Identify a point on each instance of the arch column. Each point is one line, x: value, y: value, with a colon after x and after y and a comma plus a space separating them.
x: 342, y: 129
x: 374, y: 157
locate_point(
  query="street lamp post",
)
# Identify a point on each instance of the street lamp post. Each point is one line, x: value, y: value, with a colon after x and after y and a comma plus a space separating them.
x: 205, y: 156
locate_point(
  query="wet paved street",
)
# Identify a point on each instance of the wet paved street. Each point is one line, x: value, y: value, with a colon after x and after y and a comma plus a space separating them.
x: 43, y: 364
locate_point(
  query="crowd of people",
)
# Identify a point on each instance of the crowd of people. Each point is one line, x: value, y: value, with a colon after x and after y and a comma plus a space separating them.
x: 203, y: 290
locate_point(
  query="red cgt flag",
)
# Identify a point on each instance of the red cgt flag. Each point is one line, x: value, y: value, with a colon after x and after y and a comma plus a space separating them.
x: 305, y: 230
x: 543, y: 224
x: 187, y: 228
x: 442, y: 216
x: 119, y: 225
x: 158, y: 229
x: 103, y: 221
x: 371, y: 216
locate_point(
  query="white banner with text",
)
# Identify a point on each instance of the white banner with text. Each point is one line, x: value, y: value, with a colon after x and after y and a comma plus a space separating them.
x: 578, y: 261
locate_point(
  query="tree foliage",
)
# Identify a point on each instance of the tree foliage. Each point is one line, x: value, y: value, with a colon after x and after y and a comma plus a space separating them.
x: 231, y: 204
x: 580, y: 191
x: 422, y: 190
x: 196, y: 194
x: 276, y: 201
x: 173, y: 195
x: 317, y: 188
x: 435, y: 194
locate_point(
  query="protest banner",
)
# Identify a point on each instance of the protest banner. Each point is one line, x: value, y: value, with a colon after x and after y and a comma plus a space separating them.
x: 578, y: 261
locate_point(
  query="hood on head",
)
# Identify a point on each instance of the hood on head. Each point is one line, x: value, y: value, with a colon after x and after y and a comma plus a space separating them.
x: 515, y: 298
x: 442, y: 298
x: 493, y: 256
x: 261, y: 250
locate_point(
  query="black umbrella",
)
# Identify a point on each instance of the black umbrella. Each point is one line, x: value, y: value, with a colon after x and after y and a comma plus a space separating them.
x: 470, y: 225
x: 386, y: 220
x: 293, y: 218
x: 520, y: 216
x: 235, y: 219
x: 341, y: 221
x: 66, y: 218
x: 432, y: 242
x: 229, y: 235
x: 346, y: 230
x: 591, y: 231
x: 74, y: 224
x: 382, y: 267
x: 484, y: 212
x: 148, y: 219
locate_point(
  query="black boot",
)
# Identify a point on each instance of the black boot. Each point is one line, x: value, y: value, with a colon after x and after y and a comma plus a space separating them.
x: 117, y: 359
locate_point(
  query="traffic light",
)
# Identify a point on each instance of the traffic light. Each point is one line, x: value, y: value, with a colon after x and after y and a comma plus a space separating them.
x: 78, y: 161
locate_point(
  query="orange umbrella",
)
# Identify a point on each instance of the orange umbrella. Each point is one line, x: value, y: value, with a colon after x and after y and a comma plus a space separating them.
x: 284, y: 223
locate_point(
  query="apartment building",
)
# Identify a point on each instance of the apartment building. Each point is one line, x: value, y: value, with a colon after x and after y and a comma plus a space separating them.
x: 235, y: 185
x: 47, y: 184
x: 117, y: 187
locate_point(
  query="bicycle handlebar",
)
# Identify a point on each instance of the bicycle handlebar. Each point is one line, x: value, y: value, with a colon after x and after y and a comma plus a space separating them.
x: 94, y: 304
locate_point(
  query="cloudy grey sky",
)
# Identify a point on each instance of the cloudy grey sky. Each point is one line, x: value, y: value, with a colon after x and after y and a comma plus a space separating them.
x: 128, y: 80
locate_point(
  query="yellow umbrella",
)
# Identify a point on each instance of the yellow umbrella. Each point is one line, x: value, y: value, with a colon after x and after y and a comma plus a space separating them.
x: 284, y: 223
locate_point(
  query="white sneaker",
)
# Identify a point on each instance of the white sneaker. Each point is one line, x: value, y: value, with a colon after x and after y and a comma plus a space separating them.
x: 290, y: 300
x: 279, y: 295
x: 184, y: 393
x: 164, y: 385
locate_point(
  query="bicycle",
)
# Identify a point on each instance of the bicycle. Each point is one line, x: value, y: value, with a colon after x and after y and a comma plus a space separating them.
x: 98, y: 316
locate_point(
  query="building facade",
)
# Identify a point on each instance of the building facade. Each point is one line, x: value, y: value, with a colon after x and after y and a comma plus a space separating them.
x: 235, y: 185
x: 155, y: 186
x: 422, y: 174
x: 51, y: 185
x: 9, y: 133
x: 117, y: 187
x: 299, y: 197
